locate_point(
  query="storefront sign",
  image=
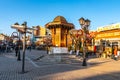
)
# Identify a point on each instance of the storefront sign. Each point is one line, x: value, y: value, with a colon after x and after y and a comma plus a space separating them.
x: 109, y: 34
x: 109, y: 27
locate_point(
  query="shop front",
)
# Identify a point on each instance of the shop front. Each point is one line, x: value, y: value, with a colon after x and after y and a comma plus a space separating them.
x: 107, y: 38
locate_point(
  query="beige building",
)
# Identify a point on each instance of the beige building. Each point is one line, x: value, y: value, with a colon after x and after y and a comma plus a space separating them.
x: 109, y: 33
x: 39, y: 34
x: 2, y: 37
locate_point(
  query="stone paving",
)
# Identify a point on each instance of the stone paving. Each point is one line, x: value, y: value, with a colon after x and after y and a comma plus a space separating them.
x: 57, y: 67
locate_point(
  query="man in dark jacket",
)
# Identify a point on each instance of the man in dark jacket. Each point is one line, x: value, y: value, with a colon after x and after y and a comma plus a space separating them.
x: 16, y: 50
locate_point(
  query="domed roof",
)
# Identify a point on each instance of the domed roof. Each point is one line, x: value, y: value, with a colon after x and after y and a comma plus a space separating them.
x: 60, y: 19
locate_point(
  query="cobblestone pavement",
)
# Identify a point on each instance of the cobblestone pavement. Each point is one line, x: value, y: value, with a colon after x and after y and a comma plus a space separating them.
x: 40, y: 66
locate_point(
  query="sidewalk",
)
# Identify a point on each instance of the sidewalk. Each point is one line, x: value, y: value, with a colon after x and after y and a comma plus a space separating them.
x: 44, y: 69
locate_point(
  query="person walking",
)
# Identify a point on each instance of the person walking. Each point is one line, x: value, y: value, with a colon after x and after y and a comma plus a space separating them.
x: 16, y: 50
x: 115, y: 52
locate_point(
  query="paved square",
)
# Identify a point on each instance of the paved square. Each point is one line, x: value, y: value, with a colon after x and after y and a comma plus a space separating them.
x: 64, y: 67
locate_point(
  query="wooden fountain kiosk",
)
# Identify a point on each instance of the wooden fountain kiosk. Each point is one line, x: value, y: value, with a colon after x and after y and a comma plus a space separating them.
x: 59, y: 28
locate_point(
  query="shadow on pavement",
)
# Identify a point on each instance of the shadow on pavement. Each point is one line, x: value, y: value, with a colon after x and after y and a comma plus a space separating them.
x: 69, y: 64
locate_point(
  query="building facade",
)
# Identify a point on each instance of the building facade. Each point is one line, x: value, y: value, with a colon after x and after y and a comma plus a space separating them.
x: 5, y: 39
x: 38, y: 34
x: 108, y: 34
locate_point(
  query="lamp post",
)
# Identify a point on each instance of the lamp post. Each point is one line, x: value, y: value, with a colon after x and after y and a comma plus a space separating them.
x: 23, y: 29
x: 85, y: 27
x: 18, y: 35
x: 24, y: 45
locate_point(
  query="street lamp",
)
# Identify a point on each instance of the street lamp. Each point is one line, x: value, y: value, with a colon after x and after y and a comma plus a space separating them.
x: 84, y: 25
x: 18, y: 44
x: 23, y: 29
x: 18, y: 55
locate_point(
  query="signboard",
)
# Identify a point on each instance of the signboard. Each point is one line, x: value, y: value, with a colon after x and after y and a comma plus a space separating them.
x: 109, y: 27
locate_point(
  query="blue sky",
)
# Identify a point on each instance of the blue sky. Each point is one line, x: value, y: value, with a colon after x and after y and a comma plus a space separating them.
x: 40, y: 12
